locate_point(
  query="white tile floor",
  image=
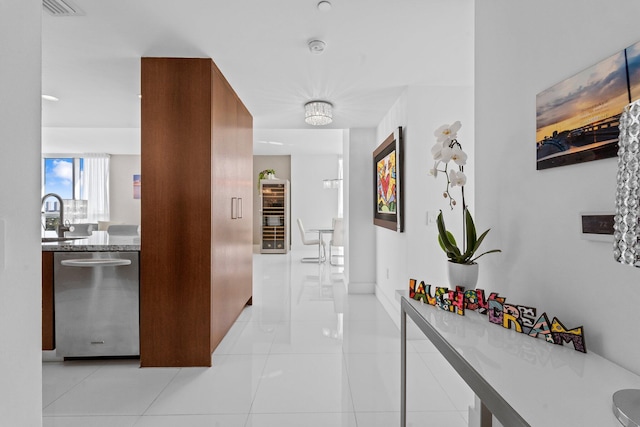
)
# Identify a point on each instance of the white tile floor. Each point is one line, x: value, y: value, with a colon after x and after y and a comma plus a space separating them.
x: 305, y: 354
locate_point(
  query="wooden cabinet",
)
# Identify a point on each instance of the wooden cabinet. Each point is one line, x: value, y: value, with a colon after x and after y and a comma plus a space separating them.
x: 48, y: 323
x: 274, y: 212
x: 196, y: 248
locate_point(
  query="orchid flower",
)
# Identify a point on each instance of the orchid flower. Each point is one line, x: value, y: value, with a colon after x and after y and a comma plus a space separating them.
x: 434, y: 171
x: 436, y: 151
x: 457, y: 178
x: 446, y: 153
x: 445, y: 133
x: 458, y: 156
x: 445, y: 149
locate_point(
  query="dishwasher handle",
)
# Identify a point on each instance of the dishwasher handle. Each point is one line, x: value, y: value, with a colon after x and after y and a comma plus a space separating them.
x: 95, y: 262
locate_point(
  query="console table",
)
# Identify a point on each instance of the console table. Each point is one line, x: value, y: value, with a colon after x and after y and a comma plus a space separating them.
x: 523, y: 381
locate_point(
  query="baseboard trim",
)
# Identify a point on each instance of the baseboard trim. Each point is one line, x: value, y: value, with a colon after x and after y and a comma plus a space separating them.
x: 360, y: 288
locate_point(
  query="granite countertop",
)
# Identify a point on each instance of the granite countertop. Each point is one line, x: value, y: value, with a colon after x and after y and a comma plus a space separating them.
x: 99, y: 241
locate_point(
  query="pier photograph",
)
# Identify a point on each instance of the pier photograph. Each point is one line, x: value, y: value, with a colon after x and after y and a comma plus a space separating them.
x: 577, y: 119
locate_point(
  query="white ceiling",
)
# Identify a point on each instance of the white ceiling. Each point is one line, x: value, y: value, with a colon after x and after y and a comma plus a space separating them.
x: 375, y: 48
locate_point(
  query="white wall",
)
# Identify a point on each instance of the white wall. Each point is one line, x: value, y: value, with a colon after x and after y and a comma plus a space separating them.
x: 20, y: 259
x: 123, y: 207
x: 535, y: 214
x: 309, y: 201
x: 360, y: 243
x: 391, y: 246
x: 415, y: 253
x: 91, y: 140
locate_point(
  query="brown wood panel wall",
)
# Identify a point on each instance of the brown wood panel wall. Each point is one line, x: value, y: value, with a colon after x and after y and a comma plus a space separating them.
x: 48, y: 319
x: 176, y: 199
x: 244, y: 271
x: 189, y: 292
x: 231, y: 291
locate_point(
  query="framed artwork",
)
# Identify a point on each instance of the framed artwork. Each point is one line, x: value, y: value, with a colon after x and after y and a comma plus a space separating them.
x: 387, y: 179
x: 137, y: 186
x: 577, y: 119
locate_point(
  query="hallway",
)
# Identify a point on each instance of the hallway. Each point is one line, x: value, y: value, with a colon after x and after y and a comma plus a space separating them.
x: 305, y: 354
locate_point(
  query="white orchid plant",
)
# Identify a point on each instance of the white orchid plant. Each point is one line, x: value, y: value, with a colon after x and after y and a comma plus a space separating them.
x: 447, y: 149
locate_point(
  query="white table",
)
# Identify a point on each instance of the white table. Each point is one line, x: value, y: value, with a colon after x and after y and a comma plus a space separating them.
x: 321, y: 232
x: 523, y: 381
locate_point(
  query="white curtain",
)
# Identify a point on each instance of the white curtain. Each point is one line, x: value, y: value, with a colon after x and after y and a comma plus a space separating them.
x: 95, y: 186
x: 340, y: 188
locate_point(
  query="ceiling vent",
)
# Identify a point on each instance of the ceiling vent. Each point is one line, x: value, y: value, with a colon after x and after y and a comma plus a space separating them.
x: 61, y: 8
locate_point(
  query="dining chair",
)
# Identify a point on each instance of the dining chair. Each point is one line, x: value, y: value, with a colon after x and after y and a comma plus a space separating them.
x: 307, y: 241
x: 337, y: 240
x: 79, y: 230
x: 104, y: 225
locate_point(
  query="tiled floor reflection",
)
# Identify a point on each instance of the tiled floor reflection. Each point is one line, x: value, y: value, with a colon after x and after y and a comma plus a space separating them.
x: 305, y: 354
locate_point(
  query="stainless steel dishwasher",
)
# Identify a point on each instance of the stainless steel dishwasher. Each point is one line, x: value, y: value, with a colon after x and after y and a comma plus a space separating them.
x: 96, y: 300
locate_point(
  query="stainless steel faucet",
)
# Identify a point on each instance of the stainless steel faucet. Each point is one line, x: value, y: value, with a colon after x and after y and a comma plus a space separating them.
x: 61, y: 228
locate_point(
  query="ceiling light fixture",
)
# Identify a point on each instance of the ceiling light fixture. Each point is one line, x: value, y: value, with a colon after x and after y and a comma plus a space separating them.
x: 316, y: 46
x: 50, y: 98
x: 318, y: 113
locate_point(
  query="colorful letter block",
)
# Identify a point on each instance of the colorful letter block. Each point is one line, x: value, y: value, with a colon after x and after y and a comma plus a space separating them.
x: 509, y: 316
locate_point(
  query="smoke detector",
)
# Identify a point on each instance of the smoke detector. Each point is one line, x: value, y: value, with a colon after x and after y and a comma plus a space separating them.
x: 317, y: 46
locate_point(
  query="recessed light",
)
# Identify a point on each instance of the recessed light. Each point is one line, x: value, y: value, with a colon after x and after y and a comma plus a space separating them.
x: 324, y: 6
x: 50, y: 98
x: 271, y: 142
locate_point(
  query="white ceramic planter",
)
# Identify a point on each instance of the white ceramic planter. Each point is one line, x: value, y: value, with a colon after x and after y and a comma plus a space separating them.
x: 462, y: 275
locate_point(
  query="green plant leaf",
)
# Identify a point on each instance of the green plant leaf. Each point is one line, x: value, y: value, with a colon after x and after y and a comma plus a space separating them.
x: 451, y: 255
x: 480, y: 239
x: 471, y: 237
x: 451, y: 239
x: 484, y: 253
x: 471, y: 229
x: 445, y: 238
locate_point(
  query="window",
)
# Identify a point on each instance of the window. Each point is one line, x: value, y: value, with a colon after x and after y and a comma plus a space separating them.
x: 63, y: 176
x: 77, y: 178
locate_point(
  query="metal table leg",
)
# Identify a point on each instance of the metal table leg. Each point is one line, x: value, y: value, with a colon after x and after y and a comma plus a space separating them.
x: 486, y: 418
x: 403, y: 367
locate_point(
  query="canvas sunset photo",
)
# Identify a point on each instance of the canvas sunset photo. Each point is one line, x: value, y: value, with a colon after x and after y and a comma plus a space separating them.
x: 577, y: 119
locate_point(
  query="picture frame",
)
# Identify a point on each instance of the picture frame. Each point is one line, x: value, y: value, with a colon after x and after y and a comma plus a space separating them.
x: 387, y: 183
x: 137, y: 186
x: 577, y: 119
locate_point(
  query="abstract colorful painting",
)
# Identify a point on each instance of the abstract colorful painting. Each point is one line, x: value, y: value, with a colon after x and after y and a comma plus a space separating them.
x: 387, y: 170
x: 386, y: 183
